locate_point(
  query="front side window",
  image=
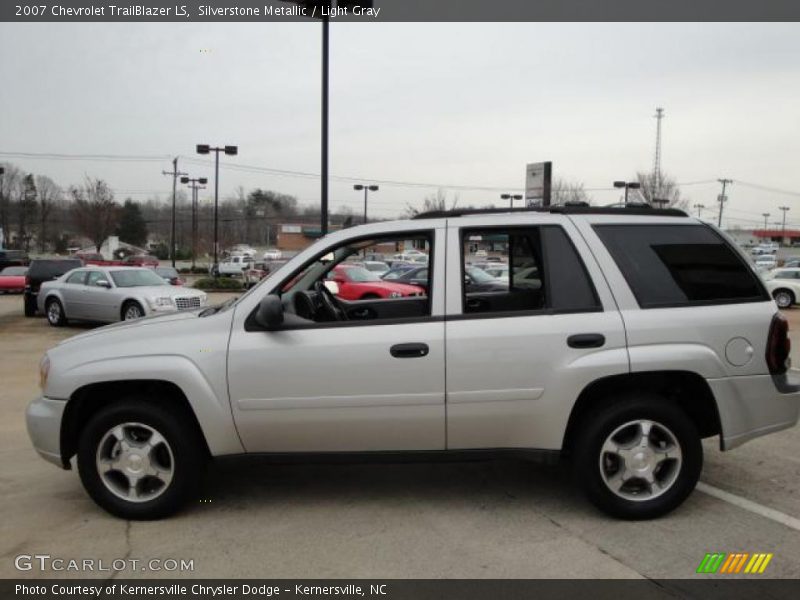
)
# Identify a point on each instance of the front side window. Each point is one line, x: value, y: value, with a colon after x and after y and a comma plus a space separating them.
x: 94, y: 277
x: 543, y: 272
x: 680, y: 265
x: 338, y: 287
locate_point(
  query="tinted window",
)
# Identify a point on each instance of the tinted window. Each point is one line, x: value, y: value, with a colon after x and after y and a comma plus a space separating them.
x: 674, y: 265
x: 570, y: 286
x: 45, y: 269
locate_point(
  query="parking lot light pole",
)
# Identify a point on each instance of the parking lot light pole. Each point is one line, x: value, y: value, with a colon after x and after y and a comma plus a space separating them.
x: 2, y: 200
x: 175, y: 174
x: 699, y: 208
x: 628, y: 185
x: 511, y: 198
x: 230, y: 151
x: 766, y: 216
x: 367, y: 189
x: 195, y: 184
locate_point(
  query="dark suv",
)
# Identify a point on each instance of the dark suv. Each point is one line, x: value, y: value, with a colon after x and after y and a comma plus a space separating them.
x: 13, y: 258
x: 41, y: 271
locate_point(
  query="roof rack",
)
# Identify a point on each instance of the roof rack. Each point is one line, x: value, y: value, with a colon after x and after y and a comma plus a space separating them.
x: 574, y: 209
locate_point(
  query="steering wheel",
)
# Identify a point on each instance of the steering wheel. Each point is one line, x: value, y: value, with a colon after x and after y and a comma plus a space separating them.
x: 329, y: 302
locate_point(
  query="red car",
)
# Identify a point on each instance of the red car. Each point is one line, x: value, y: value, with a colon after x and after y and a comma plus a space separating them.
x: 141, y: 260
x: 98, y: 260
x: 12, y: 279
x: 356, y: 283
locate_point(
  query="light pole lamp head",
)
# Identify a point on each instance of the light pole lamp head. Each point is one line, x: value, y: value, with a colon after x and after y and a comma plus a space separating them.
x: 619, y: 184
x: 373, y: 188
x: 184, y: 180
x: 231, y: 150
x: 517, y: 196
x: 505, y: 196
x: 203, y: 180
x: 2, y: 170
x: 358, y: 187
x: 203, y: 149
x: 634, y: 185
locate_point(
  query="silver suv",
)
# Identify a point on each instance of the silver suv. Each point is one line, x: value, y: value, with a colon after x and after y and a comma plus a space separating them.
x: 619, y: 339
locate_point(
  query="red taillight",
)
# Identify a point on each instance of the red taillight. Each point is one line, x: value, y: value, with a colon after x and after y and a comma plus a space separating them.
x: 778, y: 345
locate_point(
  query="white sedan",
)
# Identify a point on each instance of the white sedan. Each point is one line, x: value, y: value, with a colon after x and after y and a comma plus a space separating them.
x: 784, y: 286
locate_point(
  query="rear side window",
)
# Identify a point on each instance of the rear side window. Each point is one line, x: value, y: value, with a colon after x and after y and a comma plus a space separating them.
x: 680, y: 265
x: 52, y: 268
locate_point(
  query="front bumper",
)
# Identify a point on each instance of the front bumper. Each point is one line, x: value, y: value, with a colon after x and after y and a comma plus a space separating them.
x: 44, y: 427
x: 752, y: 406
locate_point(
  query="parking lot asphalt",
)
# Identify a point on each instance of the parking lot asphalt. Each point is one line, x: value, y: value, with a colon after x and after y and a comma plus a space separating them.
x: 497, y: 519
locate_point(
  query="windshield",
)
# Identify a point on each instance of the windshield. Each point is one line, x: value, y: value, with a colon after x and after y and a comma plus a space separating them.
x: 479, y: 275
x: 126, y: 279
x: 358, y: 274
x: 167, y: 272
x: 14, y: 271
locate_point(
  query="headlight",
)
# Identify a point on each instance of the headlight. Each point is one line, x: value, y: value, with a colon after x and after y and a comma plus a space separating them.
x: 395, y: 295
x: 44, y: 371
x: 162, y: 302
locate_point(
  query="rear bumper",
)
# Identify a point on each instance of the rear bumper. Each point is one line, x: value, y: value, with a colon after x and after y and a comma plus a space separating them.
x: 752, y: 406
x: 43, y: 418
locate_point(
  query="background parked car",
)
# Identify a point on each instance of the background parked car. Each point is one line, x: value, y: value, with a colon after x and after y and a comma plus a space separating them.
x: 414, y: 276
x: 12, y: 280
x: 13, y: 258
x: 397, y: 269
x: 140, y: 260
x: 477, y: 280
x: 783, y: 285
x: 356, y: 283
x: 272, y: 254
x: 93, y: 258
x: 108, y: 294
x: 42, y: 270
x: 765, y: 262
x: 376, y: 266
x: 170, y: 275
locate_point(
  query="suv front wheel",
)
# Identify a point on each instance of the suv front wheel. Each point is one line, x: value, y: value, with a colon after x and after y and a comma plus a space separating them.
x: 140, y: 460
x: 638, y: 458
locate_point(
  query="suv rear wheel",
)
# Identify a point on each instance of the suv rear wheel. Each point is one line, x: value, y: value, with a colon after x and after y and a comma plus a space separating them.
x: 139, y: 460
x: 638, y: 458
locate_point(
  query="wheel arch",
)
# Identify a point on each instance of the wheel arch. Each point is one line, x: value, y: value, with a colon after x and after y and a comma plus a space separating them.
x: 687, y: 389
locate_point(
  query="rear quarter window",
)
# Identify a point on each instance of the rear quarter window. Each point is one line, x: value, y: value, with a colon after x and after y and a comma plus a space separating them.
x: 680, y: 265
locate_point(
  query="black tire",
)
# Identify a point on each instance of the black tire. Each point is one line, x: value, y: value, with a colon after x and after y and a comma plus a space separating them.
x: 131, y: 305
x: 54, y: 311
x: 595, y: 429
x: 783, y: 298
x: 29, y: 305
x: 188, y: 450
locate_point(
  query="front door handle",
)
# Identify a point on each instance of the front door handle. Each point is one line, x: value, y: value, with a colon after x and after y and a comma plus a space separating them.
x: 586, y: 340
x: 409, y: 350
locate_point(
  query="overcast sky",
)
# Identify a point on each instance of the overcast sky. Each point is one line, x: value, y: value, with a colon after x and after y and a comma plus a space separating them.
x: 450, y: 104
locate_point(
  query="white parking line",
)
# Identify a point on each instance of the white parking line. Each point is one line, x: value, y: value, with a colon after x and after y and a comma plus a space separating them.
x: 753, y: 507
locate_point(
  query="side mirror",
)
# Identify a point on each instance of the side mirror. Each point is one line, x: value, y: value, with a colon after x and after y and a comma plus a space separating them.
x: 102, y: 283
x: 270, y: 312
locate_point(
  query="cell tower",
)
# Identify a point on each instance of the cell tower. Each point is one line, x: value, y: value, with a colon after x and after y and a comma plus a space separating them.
x: 656, y: 191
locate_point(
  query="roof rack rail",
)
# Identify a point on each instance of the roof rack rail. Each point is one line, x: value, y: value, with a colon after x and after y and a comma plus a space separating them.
x: 564, y: 209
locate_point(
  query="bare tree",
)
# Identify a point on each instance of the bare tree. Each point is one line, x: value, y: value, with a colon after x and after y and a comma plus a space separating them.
x: 49, y: 196
x: 26, y: 212
x: 563, y: 191
x: 10, y: 183
x: 663, y: 187
x: 433, y: 202
x: 94, y: 210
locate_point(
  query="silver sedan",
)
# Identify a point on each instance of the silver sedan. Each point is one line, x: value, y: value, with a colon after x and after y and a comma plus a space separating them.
x: 108, y: 294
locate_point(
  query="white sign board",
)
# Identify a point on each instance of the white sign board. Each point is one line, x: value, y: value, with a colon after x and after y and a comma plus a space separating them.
x: 537, y: 183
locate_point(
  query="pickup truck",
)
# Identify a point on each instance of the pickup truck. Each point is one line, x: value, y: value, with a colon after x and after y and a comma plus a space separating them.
x: 234, y: 265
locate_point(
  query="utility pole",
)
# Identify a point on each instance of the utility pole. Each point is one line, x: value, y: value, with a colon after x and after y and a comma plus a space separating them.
x: 324, y: 174
x: 699, y: 208
x: 783, y: 225
x: 175, y: 174
x: 656, y: 191
x: 722, y: 199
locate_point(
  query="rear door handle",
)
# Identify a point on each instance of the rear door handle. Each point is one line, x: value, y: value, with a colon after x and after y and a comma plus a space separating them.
x: 409, y: 350
x: 586, y: 340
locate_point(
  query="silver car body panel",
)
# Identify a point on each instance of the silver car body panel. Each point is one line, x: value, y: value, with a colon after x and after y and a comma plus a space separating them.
x: 507, y: 382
